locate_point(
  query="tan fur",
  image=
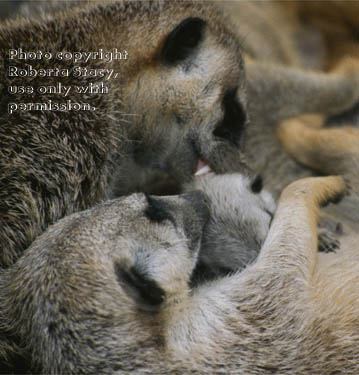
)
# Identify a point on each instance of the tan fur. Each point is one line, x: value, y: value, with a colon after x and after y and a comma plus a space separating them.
x: 269, y: 76
x: 307, y: 194
x: 281, y: 314
x: 330, y: 150
x: 280, y: 299
x: 147, y: 133
x: 333, y: 150
x: 313, y: 34
x: 158, y: 120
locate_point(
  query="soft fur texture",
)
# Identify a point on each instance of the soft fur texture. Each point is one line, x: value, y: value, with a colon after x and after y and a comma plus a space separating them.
x: 162, y: 116
x: 106, y: 291
x: 74, y: 302
x: 241, y: 213
x: 282, y: 38
x: 174, y: 102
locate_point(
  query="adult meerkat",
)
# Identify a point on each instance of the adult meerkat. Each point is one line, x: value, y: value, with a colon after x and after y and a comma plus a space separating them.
x: 178, y: 104
x: 173, y: 104
x: 106, y: 291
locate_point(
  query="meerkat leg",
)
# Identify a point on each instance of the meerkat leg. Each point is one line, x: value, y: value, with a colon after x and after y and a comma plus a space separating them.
x: 292, y: 242
x: 294, y: 92
x: 330, y: 151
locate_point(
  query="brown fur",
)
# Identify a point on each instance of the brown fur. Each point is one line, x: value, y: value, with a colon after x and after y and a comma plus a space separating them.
x: 155, y: 123
x: 249, y: 312
x: 332, y: 150
x: 270, y: 75
x: 120, y: 147
x: 282, y: 314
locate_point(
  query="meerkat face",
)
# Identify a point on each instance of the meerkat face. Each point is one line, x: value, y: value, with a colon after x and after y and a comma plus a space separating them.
x: 140, y: 248
x: 97, y: 277
x: 160, y: 240
x: 241, y: 212
x: 198, y: 81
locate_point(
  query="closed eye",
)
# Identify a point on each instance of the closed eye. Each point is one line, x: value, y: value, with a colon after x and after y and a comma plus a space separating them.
x: 271, y: 215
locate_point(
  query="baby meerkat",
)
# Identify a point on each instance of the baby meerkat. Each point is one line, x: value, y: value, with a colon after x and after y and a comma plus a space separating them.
x: 241, y: 213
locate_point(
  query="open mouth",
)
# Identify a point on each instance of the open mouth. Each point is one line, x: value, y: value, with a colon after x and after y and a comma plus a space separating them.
x: 202, y: 168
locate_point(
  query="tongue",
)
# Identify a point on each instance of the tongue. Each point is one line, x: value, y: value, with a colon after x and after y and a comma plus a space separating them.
x: 202, y: 168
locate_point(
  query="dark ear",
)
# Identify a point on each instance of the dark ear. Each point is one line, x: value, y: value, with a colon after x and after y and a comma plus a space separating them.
x: 157, y: 210
x: 183, y: 40
x: 146, y: 292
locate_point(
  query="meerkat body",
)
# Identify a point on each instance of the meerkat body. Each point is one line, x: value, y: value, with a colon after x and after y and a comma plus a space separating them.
x: 111, y: 294
x: 107, y: 290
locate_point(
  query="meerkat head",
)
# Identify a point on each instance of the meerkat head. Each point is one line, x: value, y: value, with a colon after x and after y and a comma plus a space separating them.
x: 160, y: 240
x: 241, y: 212
x: 192, y: 97
x: 91, y: 286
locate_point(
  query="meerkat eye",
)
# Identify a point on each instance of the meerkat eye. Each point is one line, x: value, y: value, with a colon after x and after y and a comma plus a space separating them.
x: 232, y: 126
x: 157, y: 210
x: 145, y: 291
x: 183, y: 40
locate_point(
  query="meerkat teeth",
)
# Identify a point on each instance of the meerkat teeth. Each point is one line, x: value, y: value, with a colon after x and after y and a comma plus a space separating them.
x: 204, y: 170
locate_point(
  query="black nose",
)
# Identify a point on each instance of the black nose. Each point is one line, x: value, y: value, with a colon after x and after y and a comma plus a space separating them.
x: 257, y: 184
